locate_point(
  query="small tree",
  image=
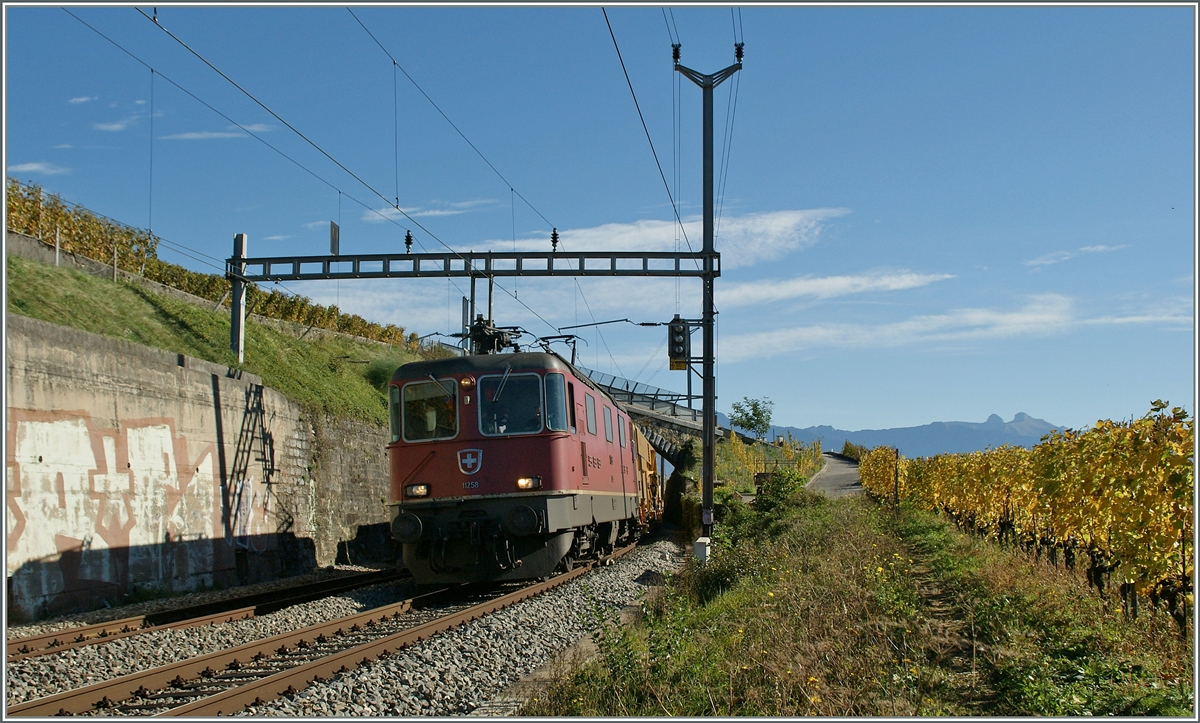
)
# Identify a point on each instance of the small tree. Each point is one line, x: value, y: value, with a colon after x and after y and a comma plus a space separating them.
x: 753, y: 415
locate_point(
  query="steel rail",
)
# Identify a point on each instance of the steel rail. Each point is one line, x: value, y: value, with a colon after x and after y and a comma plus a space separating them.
x: 111, y: 692
x: 296, y: 679
x: 221, y: 611
x: 108, y: 633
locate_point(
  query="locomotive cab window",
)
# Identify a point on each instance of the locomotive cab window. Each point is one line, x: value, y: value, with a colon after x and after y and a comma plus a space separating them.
x: 608, y: 424
x: 590, y: 403
x: 430, y: 410
x: 571, y: 405
x: 556, y: 402
x: 510, y: 404
x: 394, y: 412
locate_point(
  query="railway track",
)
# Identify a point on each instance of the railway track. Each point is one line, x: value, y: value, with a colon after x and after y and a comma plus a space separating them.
x: 212, y: 613
x: 227, y: 681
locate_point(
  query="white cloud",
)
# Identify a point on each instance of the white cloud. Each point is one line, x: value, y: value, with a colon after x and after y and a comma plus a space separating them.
x: 45, y: 169
x: 769, y: 290
x: 201, y: 135
x: 82, y: 99
x: 115, y: 125
x: 256, y: 127
x: 1052, y: 258
x: 742, y: 240
x: 1058, y: 256
x: 62, y: 146
x: 316, y: 224
x: 139, y: 102
x: 276, y: 238
x: 1043, y: 314
x: 388, y: 213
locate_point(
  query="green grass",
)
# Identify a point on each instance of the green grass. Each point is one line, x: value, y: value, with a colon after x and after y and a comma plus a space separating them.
x: 839, y: 608
x: 336, y: 375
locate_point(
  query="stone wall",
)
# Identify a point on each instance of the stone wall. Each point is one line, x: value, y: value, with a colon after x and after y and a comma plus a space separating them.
x: 133, y: 468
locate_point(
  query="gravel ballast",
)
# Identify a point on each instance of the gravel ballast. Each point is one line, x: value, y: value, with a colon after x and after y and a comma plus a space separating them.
x: 458, y: 671
x: 450, y: 674
x: 50, y: 674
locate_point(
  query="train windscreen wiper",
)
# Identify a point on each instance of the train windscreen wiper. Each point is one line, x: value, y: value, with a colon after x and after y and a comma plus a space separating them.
x: 440, y: 386
x: 503, y: 381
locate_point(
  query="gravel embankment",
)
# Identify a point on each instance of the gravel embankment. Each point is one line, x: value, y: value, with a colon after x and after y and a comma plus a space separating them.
x: 450, y: 674
x: 49, y: 674
x: 25, y: 630
x: 458, y: 671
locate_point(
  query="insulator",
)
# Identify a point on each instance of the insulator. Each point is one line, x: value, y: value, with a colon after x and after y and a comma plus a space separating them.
x: 675, y: 52
x: 737, y: 51
x: 408, y: 242
x: 553, y: 240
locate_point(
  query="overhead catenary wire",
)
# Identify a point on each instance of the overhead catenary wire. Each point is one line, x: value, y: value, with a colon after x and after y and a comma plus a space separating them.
x: 512, y: 190
x: 395, y: 64
x: 244, y: 129
x: 647, y: 131
x: 336, y: 162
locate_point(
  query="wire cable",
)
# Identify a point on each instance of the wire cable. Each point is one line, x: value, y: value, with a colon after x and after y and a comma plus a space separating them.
x: 338, y: 163
x: 647, y: 130
x: 452, y: 125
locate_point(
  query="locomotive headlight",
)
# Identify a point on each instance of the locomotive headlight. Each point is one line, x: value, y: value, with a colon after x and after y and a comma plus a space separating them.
x: 416, y: 491
x: 529, y: 483
x: 467, y: 382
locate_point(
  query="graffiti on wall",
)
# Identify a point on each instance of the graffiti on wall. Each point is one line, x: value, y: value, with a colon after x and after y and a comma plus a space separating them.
x: 89, y: 505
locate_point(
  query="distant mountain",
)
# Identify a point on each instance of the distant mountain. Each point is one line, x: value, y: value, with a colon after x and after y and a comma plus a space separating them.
x: 929, y: 439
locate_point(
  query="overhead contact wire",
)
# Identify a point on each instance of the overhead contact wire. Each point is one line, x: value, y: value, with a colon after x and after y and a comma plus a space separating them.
x: 336, y: 162
x: 452, y: 125
x: 662, y: 175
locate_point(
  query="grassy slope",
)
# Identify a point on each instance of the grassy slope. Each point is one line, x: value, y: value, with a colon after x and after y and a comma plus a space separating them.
x: 839, y: 608
x: 336, y: 375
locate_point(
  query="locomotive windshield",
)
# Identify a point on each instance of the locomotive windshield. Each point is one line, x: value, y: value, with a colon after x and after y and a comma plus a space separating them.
x: 556, y: 402
x: 430, y: 410
x: 510, y: 404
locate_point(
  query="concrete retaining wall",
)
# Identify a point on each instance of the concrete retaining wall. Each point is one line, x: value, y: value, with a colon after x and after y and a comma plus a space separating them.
x: 134, y: 468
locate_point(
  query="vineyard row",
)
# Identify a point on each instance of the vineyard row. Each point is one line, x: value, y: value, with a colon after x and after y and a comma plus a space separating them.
x: 1120, y: 493
x: 82, y: 232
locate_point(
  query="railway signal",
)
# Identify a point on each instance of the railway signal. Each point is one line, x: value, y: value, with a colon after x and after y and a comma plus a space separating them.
x: 679, y: 343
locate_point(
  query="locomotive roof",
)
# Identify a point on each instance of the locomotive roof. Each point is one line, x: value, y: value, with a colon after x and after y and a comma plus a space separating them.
x: 485, y: 363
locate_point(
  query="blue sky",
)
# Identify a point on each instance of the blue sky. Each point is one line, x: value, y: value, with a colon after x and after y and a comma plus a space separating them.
x: 929, y: 214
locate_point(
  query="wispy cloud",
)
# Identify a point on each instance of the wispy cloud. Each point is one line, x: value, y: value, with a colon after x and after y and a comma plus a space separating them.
x: 316, y: 224
x: 62, y: 146
x: 256, y: 127
x: 1043, y: 314
x: 742, y: 240
x: 202, y: 135
x: 116, y: 125
x: 82, y: 99
x: 45, y: 169
x: 438, y: 208
x: 1059, y: 256
x: 276, y: 238
x: 826, y: 287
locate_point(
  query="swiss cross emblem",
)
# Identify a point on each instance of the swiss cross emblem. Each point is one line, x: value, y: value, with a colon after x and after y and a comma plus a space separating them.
x: 470, y: 460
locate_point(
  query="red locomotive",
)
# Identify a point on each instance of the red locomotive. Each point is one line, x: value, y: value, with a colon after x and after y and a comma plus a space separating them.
x: 510, y: 467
